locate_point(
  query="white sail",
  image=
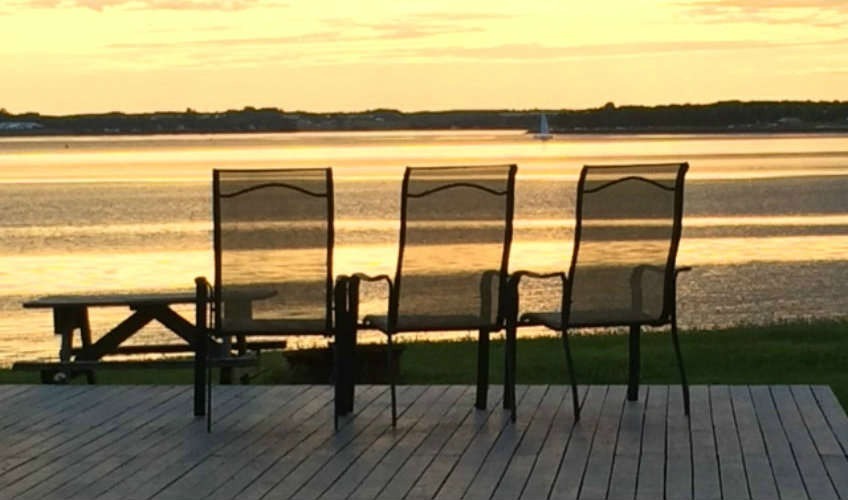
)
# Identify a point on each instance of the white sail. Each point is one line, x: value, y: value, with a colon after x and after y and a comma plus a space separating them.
x: 544, y: 132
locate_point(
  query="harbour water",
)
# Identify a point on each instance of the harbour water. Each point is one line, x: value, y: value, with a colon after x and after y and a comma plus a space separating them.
x: 765, y: 228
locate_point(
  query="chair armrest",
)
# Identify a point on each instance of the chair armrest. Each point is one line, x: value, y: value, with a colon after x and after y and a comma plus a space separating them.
x: 354, y: 281
x: 513, y: 302
x: 369, y: 278
x: 515, y: 277
x: 357, y: 278
x: 532, y: 274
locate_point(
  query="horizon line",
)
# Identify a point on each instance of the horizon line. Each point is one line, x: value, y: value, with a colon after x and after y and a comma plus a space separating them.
x: 609, y: 104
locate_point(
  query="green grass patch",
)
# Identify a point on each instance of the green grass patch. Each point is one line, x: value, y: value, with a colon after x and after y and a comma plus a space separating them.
x: 792, y: 353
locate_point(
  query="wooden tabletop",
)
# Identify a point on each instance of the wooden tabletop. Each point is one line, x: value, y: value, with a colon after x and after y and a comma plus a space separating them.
x: 142, y: 299
x: 117, y: 299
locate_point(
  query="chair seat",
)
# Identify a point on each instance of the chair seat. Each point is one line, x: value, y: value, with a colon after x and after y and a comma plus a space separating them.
x: 276, y: 326
x: 430, y: 323
x: 553, y: 320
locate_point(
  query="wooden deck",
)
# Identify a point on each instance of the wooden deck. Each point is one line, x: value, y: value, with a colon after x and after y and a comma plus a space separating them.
x: 139, y: 442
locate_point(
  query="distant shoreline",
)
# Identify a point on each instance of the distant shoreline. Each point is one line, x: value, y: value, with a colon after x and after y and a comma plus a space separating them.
x: 611, y: 132
x: 728, y: 117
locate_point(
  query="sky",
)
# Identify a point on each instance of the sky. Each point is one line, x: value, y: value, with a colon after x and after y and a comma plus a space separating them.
x: 79, y: 56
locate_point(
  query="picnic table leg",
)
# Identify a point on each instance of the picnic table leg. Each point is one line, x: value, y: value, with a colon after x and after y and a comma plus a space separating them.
x: 65, y: 321
x: 633, y: 382
x: 85, y: 340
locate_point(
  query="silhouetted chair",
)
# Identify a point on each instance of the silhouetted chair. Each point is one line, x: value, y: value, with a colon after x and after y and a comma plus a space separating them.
x: 627, y: 229
x: 455, y: 236
x: 273, y: 244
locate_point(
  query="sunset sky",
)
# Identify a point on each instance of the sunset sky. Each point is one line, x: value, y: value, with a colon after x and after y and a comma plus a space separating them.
x: 72, y: 56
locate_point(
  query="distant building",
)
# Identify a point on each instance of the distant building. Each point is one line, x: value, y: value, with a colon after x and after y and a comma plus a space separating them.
x: 790, y: 121
x: 20, y: 125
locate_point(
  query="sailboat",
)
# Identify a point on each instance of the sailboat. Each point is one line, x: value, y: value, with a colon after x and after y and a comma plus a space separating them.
x: 544, y: 133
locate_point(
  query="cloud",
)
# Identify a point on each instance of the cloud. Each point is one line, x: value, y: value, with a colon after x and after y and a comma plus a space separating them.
x: 543, y: 53
x: 190, y: 5
x: 535, y: 51
x: 422, y: 25
x: 340, y: 46
x: 318, y: 37
x: 339, y: 31
x: 821, y: 13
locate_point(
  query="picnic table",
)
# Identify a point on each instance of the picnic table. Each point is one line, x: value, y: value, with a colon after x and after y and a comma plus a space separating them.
x: 71, y: 314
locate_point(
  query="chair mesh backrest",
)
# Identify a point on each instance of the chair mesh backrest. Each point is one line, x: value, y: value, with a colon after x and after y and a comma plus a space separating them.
x: 456, y: 230
x: 273, y: 234
x: 626, y: 236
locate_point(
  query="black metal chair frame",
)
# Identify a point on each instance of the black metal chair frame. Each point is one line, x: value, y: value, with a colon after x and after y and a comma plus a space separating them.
x: 209, y: 298
x: 348, y: 305
x: 668, y: 316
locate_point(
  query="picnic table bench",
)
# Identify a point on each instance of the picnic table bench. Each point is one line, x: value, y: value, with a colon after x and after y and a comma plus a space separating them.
x: 71, y: 314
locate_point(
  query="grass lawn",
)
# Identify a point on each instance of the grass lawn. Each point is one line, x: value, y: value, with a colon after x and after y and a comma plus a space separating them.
x: 792, y: 353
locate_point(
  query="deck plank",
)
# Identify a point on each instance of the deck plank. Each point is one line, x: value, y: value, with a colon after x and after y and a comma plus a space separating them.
x: 834, y: 414
x: 82, y: 457
x: 461, y: 452
x: 427, y: 451
x: 45, y: 398
x: 728, y: 447
x: 835, y: 460
x: 596, y: 478
x: 547, y: 462
x: 788, y: 478
x: 625, y: 470
x: 181, y: 447
x: 569, y: 476
x: 651, y: 475
x: 706, y: 484
x: 308, y: 454
x: 303, y: 418
x: 809, y: 462
x: 340, y: 476
x: 537, y: 431
x: 678, y: 477
x: 393, y: 461
x: 492, y: 468
x: 142, y: 442
x: 151, y: 444
x: 306, y: 480
x: 761, y: 481
x: 231, y: 452
x: 68, y: 430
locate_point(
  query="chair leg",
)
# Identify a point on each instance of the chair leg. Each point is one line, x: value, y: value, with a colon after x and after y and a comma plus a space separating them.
x: 684, y: 384
x: 482, y: 369
x: 343, y: 373
x: 570, y: 362
x: 208, y: 397
x: 633, y: 355
x: 336, y: 383
x: 509, y: 371
x: 391, y: 374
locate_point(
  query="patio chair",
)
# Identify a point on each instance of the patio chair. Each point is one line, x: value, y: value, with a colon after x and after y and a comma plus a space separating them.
x: 622, y: 274
x: 273, y: 246
x: 455, y: 236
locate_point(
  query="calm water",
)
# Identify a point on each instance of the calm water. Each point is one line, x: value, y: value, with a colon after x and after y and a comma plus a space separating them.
x: 766, y: 222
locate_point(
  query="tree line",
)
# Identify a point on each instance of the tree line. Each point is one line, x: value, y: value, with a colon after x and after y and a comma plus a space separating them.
x: 725, y: 116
